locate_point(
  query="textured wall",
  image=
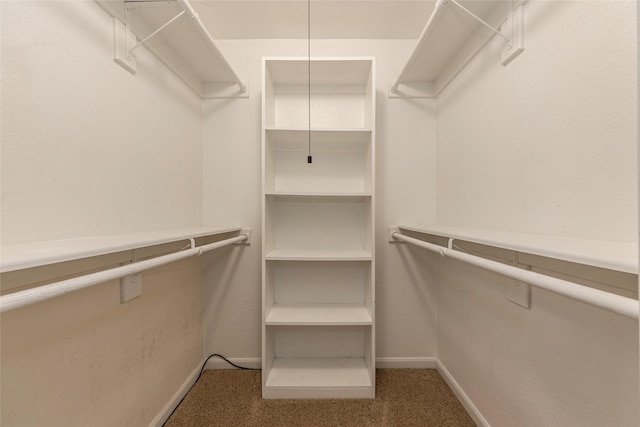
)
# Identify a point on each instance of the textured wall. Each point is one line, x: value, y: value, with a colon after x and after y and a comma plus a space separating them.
x: 85, y: 359
x: 232, y: 175
x: 546, y: 145
x: 87, y: 147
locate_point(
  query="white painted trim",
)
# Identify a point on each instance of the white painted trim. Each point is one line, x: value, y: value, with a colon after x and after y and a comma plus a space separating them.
x: 471, y: 409
x: 381, y: 363
x: 168, y: 409
x: 245, y: 362
x: 406, y: 363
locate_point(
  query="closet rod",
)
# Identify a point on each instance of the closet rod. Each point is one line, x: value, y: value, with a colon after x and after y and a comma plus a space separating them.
x: 439, y: 8
x: 616, y: 303
x: 41, y: 293
x: 209, y: 40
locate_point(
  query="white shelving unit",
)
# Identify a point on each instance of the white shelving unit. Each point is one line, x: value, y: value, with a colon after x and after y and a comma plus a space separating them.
x: 318, y: 221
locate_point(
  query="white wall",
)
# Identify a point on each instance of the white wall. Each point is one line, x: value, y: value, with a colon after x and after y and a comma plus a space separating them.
x: 232, y: 195
x: 89, y: 149
x: 546, y: 145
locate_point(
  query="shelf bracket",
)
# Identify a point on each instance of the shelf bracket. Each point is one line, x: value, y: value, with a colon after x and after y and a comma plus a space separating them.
x: 514, y: 26
x: 480, y: 20
x: 121, y: 34
x: 143, y: 41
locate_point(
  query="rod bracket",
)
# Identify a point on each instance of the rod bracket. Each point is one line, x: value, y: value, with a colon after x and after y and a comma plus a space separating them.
x: 246, y: 232
x: 514, y: 26
x: 123, y: 37
x: 390, y: 231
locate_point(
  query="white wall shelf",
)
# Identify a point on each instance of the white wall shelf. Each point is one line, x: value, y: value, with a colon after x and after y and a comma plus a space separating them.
x: 184, y: 45
x: 318, y: 255
x: 346, y: 377
x: 618, y: 256
x: 318, y: 314
x: 450, y: 39
x: 28, y: 255
x: 318, y: 222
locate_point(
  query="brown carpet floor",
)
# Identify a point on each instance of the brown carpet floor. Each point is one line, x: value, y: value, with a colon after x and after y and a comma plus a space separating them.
x: 404, y: 397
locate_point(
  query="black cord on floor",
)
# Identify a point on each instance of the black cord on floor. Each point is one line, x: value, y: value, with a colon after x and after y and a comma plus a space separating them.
x: 200, y: 374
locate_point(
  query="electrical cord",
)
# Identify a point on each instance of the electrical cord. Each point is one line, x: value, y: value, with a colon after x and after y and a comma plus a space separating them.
x: 200, y: 375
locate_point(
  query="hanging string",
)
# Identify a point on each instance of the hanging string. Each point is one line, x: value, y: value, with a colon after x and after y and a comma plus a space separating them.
x: 309, y: 158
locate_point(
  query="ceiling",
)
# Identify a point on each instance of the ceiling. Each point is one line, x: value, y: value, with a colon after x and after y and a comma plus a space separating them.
x: 330, y: 19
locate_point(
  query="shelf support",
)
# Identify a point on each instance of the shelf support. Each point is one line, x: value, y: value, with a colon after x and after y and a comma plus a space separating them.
x: 143, y: 41
x: 477, y: 18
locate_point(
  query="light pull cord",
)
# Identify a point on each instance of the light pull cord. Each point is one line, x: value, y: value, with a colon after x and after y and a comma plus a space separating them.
x: 309, y: 157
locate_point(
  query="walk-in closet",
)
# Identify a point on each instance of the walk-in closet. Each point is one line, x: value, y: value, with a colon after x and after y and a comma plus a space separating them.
x: 319, y: 212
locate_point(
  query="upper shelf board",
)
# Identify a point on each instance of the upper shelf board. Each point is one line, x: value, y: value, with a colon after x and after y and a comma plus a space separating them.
x: 181, y: 45
x: 324, y: 71
x: 450, y: 39
x: 28, y: 255
x: 618, y: 256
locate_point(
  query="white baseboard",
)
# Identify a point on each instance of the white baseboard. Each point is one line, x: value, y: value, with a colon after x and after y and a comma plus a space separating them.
x: 406, y: 363
x: 168, y: 409
x: 471, y: 409
x: 246, y: 362
x: 382, y: 363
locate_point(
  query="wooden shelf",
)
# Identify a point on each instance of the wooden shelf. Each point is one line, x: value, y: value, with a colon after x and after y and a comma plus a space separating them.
x: 318, y: 314
x: 318, y: 337
x: 617, y: 256
x: 318, y: 195
x: 318, y: 255
x: 17, y: 257
x: 346, y: 377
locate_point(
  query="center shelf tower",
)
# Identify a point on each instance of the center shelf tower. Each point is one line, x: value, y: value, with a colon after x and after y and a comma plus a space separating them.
x: 318, y: 334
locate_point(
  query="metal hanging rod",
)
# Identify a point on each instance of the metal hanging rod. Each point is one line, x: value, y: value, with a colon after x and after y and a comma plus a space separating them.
x: 612, y: 302
x: 41, y: 293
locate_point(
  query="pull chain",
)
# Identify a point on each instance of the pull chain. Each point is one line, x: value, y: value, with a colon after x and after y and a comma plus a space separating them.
x: 309, y: 158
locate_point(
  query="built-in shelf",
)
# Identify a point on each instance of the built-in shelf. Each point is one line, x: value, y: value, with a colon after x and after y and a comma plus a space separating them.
x: 318, y: 314
x: 617, y: 256
x: 318, y: 255
x: 184, y: 46
x: 283, y: 194
x: 449, y: 40
x: 28, y: 255
x: 319, y: 372
x: 318, y: 221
